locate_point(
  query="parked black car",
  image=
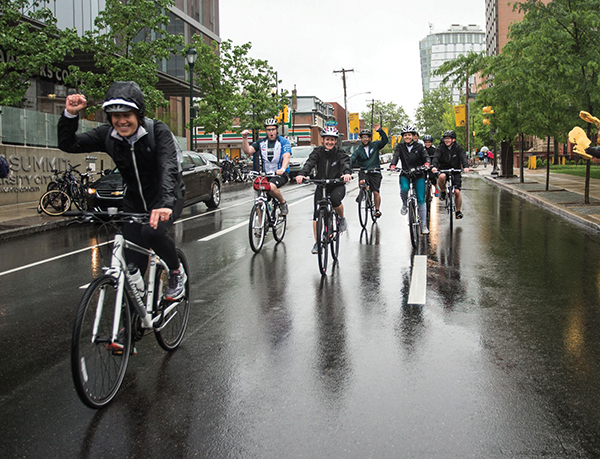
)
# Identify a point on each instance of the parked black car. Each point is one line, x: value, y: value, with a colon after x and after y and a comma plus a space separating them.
x: 201, y: 177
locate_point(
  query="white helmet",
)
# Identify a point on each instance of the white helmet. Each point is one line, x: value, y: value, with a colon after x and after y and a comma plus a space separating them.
x: 271, y: 122
x: 330, y: 131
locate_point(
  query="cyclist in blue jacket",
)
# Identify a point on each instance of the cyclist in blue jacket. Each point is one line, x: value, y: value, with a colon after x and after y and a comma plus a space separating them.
x: 272, y: 156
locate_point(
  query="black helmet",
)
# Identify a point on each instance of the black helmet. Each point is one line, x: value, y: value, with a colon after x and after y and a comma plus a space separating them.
x: 450, y: 134
x: 365, y: 132
x: 124, y: 96
x: 427, y: 138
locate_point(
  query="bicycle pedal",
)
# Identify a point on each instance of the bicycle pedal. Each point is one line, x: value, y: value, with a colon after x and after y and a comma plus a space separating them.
x: 115, y: 348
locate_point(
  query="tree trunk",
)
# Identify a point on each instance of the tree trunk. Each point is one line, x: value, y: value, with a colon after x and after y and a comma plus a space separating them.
x: 548, y: 165
x: 521, y: 154
x: 588, y: 165
x: 506, y: 158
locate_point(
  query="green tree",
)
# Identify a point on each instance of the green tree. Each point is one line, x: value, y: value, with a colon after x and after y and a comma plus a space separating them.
x: 128, y: 40
x: 431, y: 109
x: 387, y: 114
x: 236, y: 88
x: 29, y: 41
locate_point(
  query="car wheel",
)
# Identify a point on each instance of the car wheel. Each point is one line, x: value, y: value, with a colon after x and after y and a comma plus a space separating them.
x: 215, y: 196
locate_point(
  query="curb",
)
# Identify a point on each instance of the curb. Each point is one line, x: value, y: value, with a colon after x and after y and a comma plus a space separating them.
x: 564, y: 212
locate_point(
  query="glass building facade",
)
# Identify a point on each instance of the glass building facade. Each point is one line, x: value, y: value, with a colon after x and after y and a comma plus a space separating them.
x: 441, y: 47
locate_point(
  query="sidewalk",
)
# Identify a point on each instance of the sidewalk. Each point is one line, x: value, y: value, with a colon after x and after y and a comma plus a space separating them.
x: 565, y: 195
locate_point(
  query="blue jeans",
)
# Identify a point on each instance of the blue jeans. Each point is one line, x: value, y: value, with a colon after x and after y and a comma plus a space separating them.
x: 419, y: 187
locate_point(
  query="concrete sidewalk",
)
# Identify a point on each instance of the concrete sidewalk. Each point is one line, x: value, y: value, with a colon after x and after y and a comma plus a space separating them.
x: 564, y: 197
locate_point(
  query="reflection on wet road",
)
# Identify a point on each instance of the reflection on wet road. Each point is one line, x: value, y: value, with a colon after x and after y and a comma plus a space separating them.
x: 500, y: 361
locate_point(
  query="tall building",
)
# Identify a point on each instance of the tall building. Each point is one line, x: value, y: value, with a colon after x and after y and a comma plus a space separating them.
x: 439, y: 47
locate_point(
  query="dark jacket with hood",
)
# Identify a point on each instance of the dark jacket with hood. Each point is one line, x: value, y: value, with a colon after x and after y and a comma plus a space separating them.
x: 416, y: 157
x: 152, y: 176
x: 371, y: 161
x: 330, y: 164
x: 450, y: 158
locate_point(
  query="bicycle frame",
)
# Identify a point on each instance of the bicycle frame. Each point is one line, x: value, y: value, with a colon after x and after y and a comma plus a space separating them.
x: 117, y: 270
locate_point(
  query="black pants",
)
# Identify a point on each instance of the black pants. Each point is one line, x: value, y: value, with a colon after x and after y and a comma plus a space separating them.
x: 155, y: 239
x: 336, y: 193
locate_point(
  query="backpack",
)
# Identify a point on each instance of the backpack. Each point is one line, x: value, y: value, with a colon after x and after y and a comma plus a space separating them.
x: 4, y: 167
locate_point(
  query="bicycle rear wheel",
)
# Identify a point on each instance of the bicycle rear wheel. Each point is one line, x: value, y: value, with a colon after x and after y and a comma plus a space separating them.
x: 97, y: 364
x: 78, y: 197
x: 171, y: 330
x: 279, y: 225
x: 334, y: 240
x: 363, y: 208
x: 256, y: 227
x: 322, y: 240
x: 413, y: 223
x: 55, y: 202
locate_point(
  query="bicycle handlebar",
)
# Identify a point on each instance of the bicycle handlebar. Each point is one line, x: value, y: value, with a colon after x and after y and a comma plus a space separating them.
x: 445, y: 171
x: 324, y: 181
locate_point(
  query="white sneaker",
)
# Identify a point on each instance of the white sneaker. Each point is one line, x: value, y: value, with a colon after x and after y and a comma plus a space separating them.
x: 343, y: 224
x: 424, y: 229
x: 404, y: 209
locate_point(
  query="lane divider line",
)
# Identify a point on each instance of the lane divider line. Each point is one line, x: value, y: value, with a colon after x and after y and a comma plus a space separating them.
x: 418, y: 281
x: 244, y: 223
x: 48, y: 260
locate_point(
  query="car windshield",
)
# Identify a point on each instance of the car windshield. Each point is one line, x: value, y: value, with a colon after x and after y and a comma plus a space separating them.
x: 301, y: 152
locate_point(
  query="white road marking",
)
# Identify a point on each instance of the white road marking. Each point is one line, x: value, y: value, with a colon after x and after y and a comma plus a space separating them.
x: 48, y: 260
x: 418, y: 281
x: 242, y: 224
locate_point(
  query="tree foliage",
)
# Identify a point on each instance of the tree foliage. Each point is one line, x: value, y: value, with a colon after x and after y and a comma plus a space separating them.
x: 29, y: 41
x: 236, y: 89
x: 430, y: 112
x: 128, y: 40
x: 387, y: 114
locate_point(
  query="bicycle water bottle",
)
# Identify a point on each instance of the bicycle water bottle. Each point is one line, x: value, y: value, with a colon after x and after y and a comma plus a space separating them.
x: 135, y: 277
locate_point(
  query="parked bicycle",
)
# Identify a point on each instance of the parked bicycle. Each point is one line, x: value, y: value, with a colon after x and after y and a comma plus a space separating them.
x: 112, y: 315
x: 328, y: 224
x: 414, y: 219
x: 449, y: 202
x: 265, y: 214
x: 65, y: 190
x: 366, y: 204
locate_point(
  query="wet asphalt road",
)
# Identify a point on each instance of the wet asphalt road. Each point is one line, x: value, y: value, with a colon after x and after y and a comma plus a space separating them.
x: 501, y: 360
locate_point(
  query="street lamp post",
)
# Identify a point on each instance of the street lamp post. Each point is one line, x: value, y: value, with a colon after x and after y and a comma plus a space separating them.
x: 190, y: 57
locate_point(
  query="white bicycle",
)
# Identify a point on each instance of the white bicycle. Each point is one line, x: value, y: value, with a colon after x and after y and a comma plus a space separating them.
x: 114, y: 313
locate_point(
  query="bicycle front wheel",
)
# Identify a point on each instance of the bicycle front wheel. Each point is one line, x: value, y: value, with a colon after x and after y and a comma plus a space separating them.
x: 334, y: 239
x: 450, y: 200
x: 256, y: 227
x: 98, y: 364
x: 363, y: 208
x: 279, y: 225
x: 169, y: 333
x: 413, y: 224
x: 55, y: 202
x: 322, y: 240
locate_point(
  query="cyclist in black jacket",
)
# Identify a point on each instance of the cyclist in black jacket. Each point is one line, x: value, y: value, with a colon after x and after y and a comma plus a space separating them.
x: 331, y: 162
x: 451, y: 155
x: 152, y: 175
x: 412, y: 154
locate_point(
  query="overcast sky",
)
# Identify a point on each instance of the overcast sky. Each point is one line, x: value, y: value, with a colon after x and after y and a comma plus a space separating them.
x: 306, y: 40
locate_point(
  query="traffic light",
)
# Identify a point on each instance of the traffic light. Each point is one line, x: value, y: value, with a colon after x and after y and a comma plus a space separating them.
x: 286, y: 114
x: 487, y: 111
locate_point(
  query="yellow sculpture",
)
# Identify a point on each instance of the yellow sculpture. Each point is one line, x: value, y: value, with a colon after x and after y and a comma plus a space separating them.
x: 578, y: 137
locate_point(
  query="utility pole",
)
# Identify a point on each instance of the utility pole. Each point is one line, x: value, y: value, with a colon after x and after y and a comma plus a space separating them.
x: 343, y: 72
